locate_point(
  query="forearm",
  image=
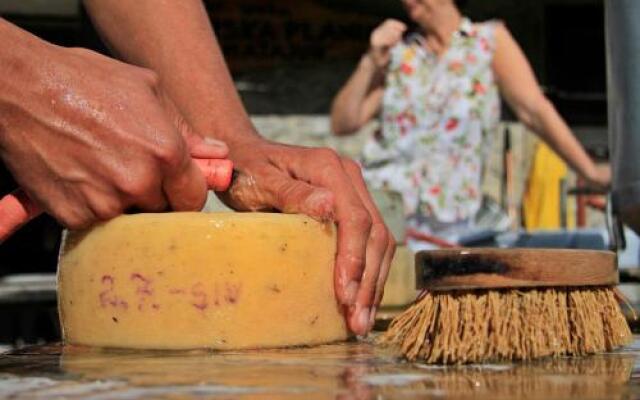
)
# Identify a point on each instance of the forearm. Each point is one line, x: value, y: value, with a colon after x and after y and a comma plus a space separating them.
x: 550, y: 126
x: 175, y: 39
x: 20, y: 71
x: 347, y: 107
x: 520, y: 88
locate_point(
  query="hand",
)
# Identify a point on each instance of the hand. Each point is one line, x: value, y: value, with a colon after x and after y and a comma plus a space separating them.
x: 383, y: 38
x: 600, y: 176
x: 87, y: 137
x: 325, y: 186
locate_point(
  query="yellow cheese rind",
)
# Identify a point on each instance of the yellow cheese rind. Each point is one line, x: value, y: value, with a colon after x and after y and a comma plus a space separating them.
x: 400, y: 288
x: 200, y: 280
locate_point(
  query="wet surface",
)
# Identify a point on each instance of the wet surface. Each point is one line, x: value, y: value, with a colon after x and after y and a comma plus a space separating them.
x: 355, y: 370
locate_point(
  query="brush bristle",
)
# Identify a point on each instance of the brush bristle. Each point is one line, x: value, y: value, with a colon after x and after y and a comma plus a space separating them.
x: 492, y: 325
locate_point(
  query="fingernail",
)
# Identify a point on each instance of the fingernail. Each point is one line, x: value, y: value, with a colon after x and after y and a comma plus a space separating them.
x: 214, y: 142
x: 351, y: 292
x: 372, y: 318
x: 363, y: 317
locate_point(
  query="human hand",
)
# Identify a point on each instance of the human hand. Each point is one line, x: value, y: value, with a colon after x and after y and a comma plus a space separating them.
x: 382, y: 39
x: 600, y: 176
x: 87, y: 137
x: 321, y: 184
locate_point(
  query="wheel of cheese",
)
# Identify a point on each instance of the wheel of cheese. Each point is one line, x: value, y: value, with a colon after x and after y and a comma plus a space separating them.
x: 200, y: 280
x: 400, y: 288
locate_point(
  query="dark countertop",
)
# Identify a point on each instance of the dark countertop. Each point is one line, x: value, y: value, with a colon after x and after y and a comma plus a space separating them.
x: 355, y: 370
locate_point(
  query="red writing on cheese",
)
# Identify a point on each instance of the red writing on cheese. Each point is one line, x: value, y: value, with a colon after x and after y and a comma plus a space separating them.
x: 200, y: 295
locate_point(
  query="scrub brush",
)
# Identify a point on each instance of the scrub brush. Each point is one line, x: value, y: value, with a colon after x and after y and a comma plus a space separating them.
x: 481, y: 305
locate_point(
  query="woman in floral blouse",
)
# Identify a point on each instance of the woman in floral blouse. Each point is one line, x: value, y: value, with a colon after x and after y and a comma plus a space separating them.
x: 437, y: 94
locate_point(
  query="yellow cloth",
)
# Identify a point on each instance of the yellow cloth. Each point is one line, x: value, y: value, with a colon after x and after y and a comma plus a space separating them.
x: 541, y: 202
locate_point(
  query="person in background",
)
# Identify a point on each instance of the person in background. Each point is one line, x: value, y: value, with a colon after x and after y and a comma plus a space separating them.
x: 437, y: 93
x: 88, y: 136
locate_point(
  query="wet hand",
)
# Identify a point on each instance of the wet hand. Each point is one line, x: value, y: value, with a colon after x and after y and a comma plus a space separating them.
x: 87, y: 137
x: 319, y: 183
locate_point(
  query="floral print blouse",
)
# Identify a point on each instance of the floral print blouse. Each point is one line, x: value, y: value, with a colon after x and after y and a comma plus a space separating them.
x: 437, y: 113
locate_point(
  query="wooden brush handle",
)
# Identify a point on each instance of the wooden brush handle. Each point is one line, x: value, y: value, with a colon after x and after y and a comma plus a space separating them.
x: 470, y: 268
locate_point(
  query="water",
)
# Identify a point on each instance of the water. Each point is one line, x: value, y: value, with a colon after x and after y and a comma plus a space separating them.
x: 354, y: 370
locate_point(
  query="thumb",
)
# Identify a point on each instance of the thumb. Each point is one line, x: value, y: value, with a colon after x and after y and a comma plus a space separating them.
x: 206, y: 148
x: 186, y: 188
x: 280, y: 192
x: 198, y: 146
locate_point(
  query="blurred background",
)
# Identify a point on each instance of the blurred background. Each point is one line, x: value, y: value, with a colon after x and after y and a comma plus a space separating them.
x: 289, y: 58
